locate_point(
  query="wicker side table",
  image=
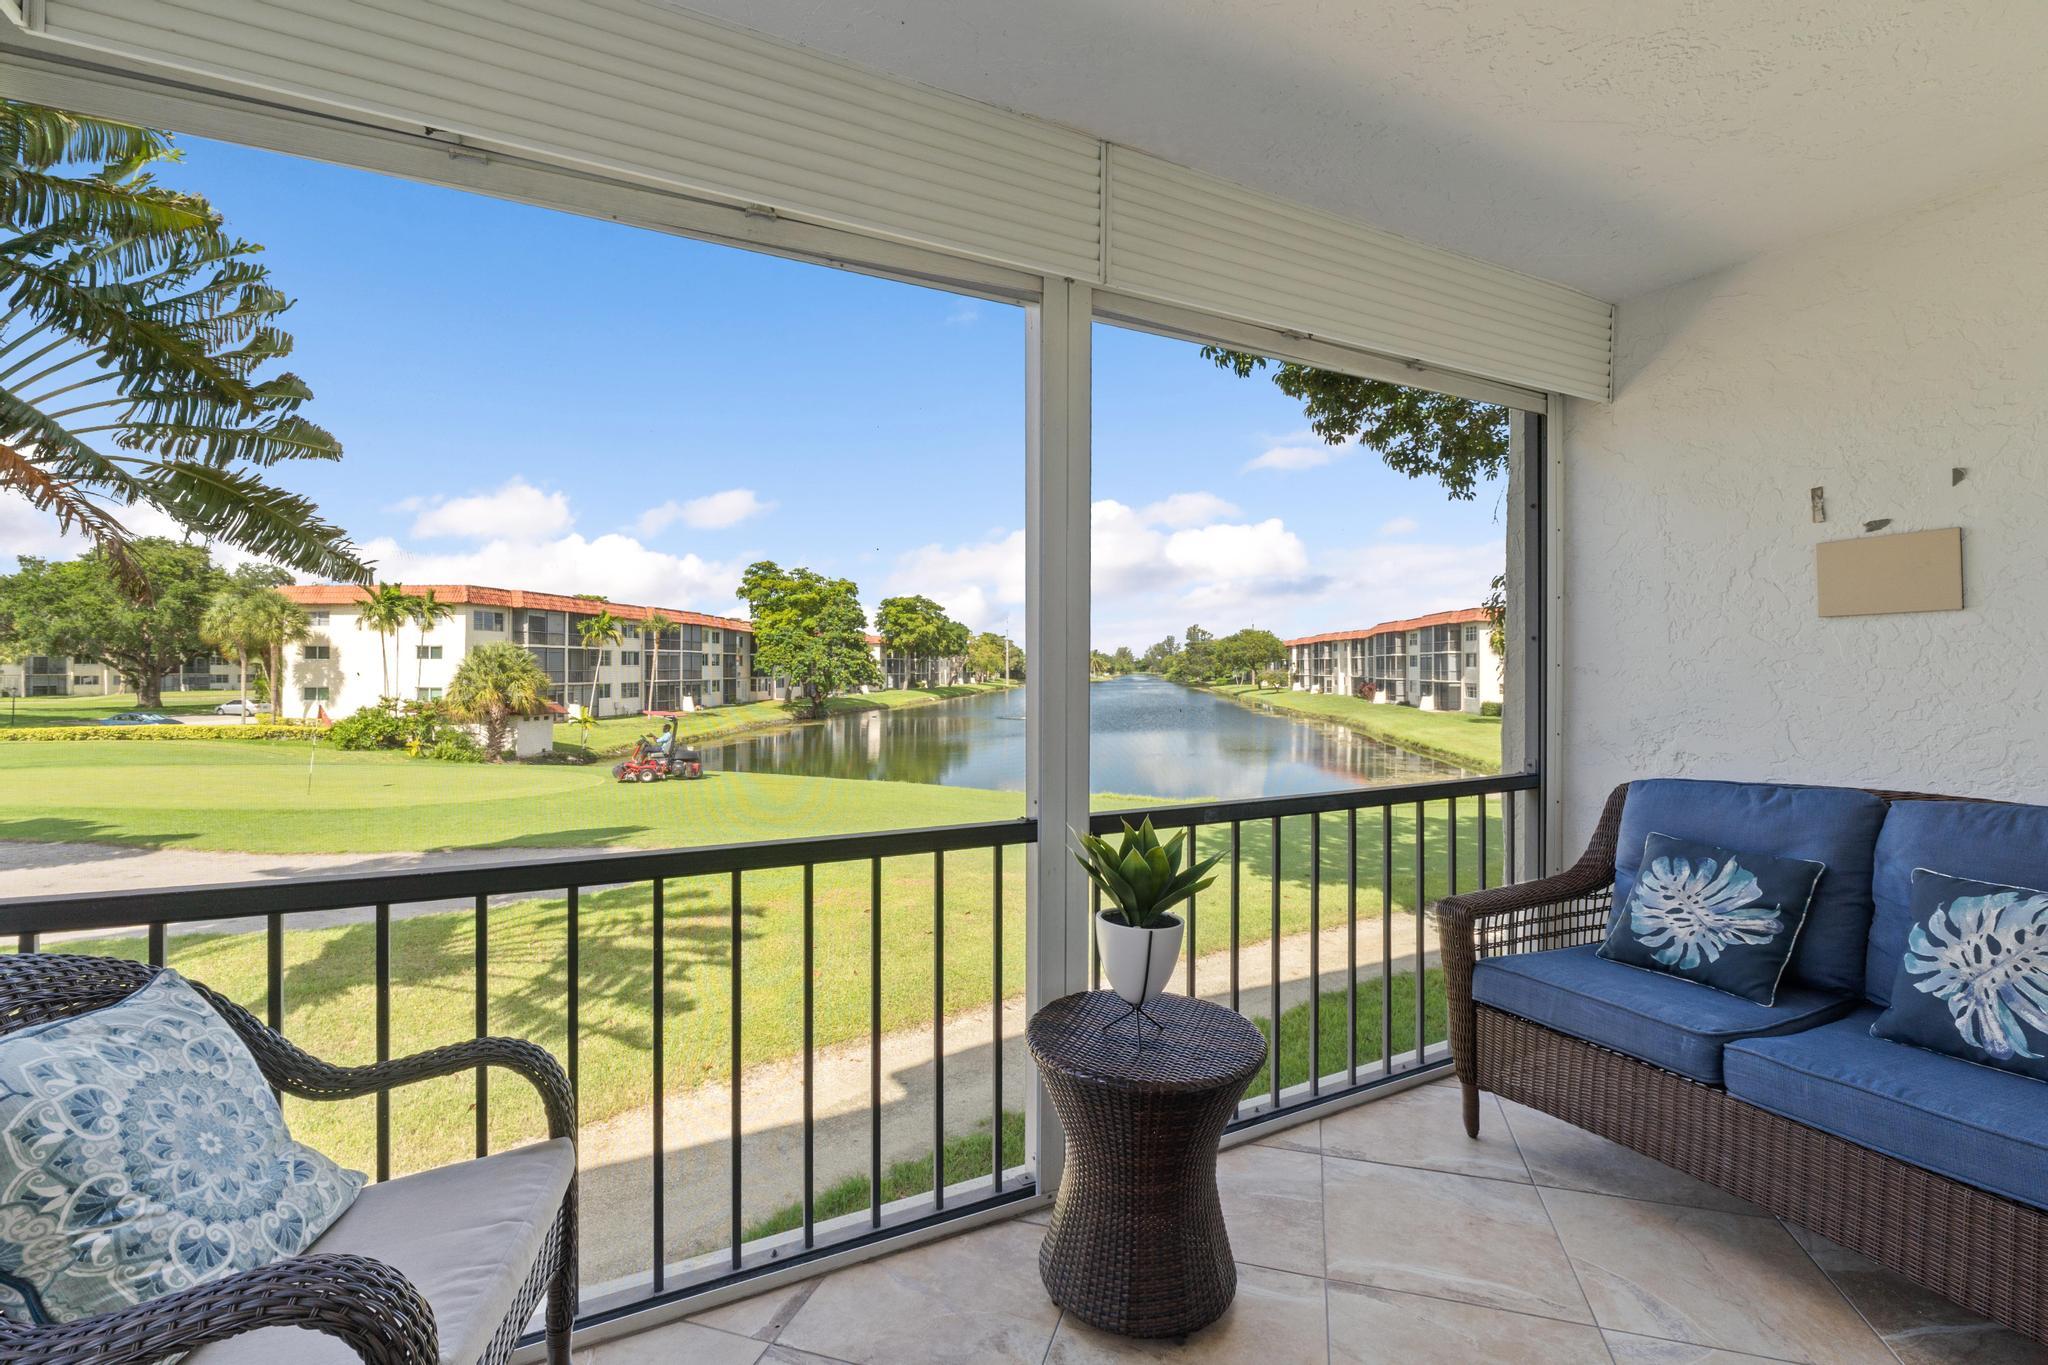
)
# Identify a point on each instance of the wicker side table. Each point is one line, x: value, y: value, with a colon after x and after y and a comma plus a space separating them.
x: 1137, y: 1244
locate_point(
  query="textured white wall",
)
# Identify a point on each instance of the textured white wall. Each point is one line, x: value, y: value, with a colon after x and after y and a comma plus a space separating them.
x: 1869, y: 361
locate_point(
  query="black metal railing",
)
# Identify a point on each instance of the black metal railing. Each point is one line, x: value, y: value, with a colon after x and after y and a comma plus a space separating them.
x: 1403, y: 847
x: 589, y: 887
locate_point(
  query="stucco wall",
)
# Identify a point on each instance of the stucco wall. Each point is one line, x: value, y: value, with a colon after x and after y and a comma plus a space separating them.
x: 1870, y: 362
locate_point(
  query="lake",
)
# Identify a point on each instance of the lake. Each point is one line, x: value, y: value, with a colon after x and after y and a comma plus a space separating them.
x: 1148, y: 737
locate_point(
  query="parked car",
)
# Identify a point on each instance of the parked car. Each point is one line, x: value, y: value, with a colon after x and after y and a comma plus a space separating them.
x: 238, y: 707
x: 139, y: 718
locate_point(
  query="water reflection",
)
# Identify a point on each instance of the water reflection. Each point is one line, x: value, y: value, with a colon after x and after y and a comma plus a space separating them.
x: 1149, y: 737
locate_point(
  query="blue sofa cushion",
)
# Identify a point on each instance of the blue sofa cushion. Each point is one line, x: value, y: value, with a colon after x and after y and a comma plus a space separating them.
x: 1836, y: 826
x: 1970, y: 1123
x: 1663, y: 1020
x: 1974, y: 979
x: 1718, y: 916
x: 1981, y: 840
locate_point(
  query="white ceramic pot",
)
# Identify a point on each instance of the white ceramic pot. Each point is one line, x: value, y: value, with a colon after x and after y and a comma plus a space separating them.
x: 1138, y: 962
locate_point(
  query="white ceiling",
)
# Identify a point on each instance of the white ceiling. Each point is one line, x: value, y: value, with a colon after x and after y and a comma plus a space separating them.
x: 1614, y: 146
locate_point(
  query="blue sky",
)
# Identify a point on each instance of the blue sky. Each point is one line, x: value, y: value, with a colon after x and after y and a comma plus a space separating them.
x: 531, y: 399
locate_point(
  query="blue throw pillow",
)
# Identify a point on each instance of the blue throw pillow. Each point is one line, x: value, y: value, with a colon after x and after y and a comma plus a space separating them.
x: 141, y: 1152
x: 1712, y: 915
x: 1973, y: 982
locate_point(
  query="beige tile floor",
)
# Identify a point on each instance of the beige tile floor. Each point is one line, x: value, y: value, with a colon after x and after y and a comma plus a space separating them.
x: 1384, y: 1234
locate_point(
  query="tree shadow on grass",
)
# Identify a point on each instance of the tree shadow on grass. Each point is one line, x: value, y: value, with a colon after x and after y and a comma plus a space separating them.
x: 528, y: 948
x: 117, y: 842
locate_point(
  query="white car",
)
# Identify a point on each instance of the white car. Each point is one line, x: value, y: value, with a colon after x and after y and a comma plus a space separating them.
x: 238, y: 707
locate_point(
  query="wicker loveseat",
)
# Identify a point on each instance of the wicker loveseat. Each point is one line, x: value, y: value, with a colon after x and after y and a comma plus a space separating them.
x: 444, y: 1267
x: 1932, y: 1165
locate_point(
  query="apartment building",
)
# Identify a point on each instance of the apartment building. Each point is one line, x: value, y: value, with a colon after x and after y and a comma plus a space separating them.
x: 45, y: 675
x: 1440, y: 662
x: 694, y: 660
x: 918, y: 670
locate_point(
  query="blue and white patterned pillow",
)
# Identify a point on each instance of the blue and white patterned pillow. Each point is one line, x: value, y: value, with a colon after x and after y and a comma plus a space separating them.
x: 141, y: 1152
x: 1973, y: 981
x: 1713, y: 916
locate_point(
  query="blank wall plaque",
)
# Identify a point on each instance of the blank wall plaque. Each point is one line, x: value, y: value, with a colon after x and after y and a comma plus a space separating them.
x: 1872, y: 575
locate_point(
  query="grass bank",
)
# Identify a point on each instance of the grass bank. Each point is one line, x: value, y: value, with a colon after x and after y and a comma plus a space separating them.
x: 1469, y: 741
x: 617, y: 734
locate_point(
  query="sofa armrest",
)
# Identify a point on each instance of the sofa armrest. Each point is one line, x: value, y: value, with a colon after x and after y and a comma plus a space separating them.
x: 365, y: 1303
x: 1519, y: 917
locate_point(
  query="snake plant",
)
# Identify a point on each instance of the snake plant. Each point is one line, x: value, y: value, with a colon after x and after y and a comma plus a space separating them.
x: 1142, y: 876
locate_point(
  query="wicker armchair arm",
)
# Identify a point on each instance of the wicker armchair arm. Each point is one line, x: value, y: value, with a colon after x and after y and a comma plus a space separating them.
x: 295, y: 1071
x: 365, y: 1303
x: 1459, y: 918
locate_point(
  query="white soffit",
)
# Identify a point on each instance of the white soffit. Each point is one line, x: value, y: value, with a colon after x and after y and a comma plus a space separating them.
x: 1186, y: 238
x: 649, y: 94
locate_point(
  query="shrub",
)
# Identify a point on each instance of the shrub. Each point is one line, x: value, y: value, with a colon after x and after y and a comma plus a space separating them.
x: 456, y: 746
x: 31, y: 734
x: 1489, y: 708
x: 373, y: 727
x: 391, y: 725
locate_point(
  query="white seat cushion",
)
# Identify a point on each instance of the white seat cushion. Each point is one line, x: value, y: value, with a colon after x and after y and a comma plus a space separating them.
x: 465, y: 1235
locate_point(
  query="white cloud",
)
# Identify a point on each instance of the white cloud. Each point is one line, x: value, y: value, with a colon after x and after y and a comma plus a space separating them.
x: 1400, y: 526
x: 1265, y: 549
x: 1187, y: 509
x: 712, y: 512
x: 965, y: 313
x: 518, y: 510
x: 1303, y: 450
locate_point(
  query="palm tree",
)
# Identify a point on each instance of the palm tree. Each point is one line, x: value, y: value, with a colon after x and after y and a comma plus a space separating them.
x: 385, y: 610
x: 275, y: 621
x: 428, y: 611
x: 132, y: 305
x: 653, y: 624
x: 495, y: 684
x: 228, y: 625
x: 602, y: 631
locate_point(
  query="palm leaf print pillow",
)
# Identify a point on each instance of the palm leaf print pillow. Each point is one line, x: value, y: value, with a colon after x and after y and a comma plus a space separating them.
x: 1973, y: 981
x: 1713, y: 916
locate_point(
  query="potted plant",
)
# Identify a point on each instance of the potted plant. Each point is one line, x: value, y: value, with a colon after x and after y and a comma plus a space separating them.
x: 1142, y: 880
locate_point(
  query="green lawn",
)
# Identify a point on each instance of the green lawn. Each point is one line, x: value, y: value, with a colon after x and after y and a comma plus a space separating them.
x: 617, y: 734
x: 316, y: 799
x: 1466, y: 740
x: 26, y: 711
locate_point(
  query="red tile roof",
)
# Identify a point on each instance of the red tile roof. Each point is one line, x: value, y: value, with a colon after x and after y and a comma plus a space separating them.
x: 1460, y: 617
x: 468, y: 594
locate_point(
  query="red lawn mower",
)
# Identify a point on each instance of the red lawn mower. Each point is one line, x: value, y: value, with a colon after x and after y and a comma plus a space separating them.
x: 651, y: 763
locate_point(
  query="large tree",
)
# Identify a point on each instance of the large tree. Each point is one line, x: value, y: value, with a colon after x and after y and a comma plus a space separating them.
x: 1249, y: 654
x: 990, y: 655
x: 136, y: 338
x: 919, y: 628
x: 140, y: 617
x: 1418, y: 432
x: 809, y: 629
x: 599, y: 633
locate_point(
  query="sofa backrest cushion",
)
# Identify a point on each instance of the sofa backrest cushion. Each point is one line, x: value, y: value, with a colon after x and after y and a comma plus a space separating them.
x: 1835, y: 826
x: 1984, y: 841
